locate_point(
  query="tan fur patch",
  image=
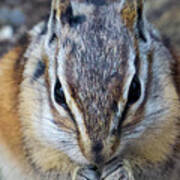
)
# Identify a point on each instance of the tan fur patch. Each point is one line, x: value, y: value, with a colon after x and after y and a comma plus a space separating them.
x: 61, y: 7
x: 10, y: 133
x: 129, y: 15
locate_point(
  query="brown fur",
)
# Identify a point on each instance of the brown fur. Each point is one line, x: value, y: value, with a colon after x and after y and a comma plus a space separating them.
x: 10, y: 128
x: 129, y: 15
x: 89, y: 128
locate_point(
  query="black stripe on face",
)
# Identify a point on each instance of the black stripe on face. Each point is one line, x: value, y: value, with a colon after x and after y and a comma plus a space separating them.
x: 40, y: 69
x: 53, y: 35
x: 67, y: 16
x: 140, y: 25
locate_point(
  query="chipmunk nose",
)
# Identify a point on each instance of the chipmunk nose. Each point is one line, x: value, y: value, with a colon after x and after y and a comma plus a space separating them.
x: 97, y: 149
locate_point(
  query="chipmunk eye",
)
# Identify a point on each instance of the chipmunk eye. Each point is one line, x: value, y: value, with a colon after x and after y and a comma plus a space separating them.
x: 59, y: 95
x: 134, y: 91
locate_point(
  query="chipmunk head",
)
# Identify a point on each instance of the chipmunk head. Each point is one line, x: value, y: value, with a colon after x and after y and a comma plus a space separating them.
x: 99, y: 87
x: 92, y: 53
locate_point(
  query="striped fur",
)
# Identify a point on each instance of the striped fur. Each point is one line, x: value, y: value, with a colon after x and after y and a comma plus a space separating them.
x: 94, y: 50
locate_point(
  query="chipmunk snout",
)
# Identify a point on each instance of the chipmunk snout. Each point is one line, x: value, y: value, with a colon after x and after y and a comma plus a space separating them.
x: 98, y: 152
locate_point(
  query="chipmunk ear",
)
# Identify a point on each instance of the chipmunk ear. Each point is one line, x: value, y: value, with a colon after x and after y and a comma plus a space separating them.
x: 133, y: 17
x: 61, y: 11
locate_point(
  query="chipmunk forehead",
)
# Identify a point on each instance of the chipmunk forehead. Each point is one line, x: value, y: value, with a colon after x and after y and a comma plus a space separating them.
x: 124, y: 8
x: 106, y: 22
x: 100, y: 47
x: 99, y: 54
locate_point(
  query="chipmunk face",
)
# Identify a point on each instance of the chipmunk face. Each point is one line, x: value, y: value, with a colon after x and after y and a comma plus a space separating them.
x: 94, y: 76
x: 96, y: 73
x: 95, y: 67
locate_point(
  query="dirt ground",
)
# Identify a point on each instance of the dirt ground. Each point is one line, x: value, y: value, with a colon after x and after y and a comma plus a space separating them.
x: 17, y: 16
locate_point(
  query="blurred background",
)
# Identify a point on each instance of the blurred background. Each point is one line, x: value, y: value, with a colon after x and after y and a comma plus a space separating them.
x: 17, y: 16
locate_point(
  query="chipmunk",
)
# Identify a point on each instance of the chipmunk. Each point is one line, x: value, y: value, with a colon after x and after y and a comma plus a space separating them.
x: 91, y: 95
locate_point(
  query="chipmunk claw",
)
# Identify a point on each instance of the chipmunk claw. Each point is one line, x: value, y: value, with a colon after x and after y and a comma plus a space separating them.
x: 87, y: 173
x: 117, y: 172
